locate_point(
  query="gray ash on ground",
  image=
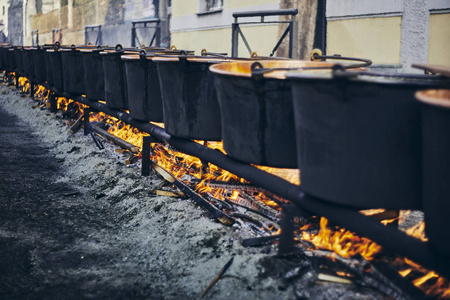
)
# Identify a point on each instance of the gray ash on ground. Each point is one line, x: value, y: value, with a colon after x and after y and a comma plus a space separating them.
x: 114, y: 239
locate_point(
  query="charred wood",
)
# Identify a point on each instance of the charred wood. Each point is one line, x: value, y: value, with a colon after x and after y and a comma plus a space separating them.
x: 215, y: 212
x: 97, y: 142
x: 77, y: 125
x: 116, y: 140
x: 260, y: 241
x: 132, y: 159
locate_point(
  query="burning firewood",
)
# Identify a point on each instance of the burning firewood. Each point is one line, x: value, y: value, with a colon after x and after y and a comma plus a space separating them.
x: 217, y: 213
x: 116, y: 140
x: 174, y: 194
x: 331, y: 278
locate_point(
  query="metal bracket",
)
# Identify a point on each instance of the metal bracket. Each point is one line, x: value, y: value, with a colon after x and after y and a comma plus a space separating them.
x: 291, y: 29
x: 98, y: 40
x: 156, y: 38
x: 35, y: 37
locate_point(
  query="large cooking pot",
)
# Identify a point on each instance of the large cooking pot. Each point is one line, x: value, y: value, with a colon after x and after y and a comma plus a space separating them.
x: 18, y: 53
x: 3, y: 49
x: 3, y: 46
x: 256, y: 112
x: 28, y: 63
x: 73, y: 70
x: 435, y: 110
x: 40, y: 67
x: 190, y: 105
x: 94, y: 75
x: 11, y: 59
x: 143, y: 92
x: 6, y: 57
x: 358, y: 137
x: 57, y: 68
x: 48, y: 66
x: 115, y: 80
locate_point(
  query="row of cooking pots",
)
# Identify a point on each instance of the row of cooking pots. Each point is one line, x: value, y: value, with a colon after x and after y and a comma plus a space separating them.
x: 356, y: 136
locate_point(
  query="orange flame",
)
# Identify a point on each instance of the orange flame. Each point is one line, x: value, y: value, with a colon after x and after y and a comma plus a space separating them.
x: 341, y: 241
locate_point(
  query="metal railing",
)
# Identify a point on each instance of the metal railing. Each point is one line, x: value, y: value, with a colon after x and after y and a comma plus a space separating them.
x: 156, y: 37
x: 291, y: 29
x: 93, y: 28
x: 35, y: 37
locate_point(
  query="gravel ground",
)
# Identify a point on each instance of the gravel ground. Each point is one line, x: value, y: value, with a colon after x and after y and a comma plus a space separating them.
x: 114, y: 239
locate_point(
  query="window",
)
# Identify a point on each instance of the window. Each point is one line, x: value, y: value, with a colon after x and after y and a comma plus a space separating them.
x: 208, y: 6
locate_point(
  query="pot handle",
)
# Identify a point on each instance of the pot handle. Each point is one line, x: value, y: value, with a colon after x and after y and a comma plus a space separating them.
x: 119, y: 47
x: 316, y: 55
x: 143, y: 55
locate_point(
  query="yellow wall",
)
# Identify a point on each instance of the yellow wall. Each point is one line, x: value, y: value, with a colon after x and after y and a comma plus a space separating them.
x: 377, y: 39
x: 219, y: 40
x: 184, y: 8
x: 439, y: 42
x: 230, y: 4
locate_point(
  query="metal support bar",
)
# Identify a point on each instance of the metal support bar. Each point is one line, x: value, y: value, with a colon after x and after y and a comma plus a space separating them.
x: 86, y: 113
x: 146, y: 152
x: 286, y: 244
x: 265, y: 13
x: 35, y: 42
x: 53, y: 102
x: 245, y: 40
x: 31, y: 90
x: 288, y: 29
x: 234, y: 38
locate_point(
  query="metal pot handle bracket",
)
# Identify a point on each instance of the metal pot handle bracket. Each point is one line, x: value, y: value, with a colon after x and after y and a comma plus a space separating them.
x: 206, y: 53
x: 316, y: 55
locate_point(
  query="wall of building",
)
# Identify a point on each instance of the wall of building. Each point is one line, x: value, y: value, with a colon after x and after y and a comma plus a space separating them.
x: 65, y: 21
x: 15, y: 22
x: 393, y: 33
x: 190, y: 29
x: 4, y: 8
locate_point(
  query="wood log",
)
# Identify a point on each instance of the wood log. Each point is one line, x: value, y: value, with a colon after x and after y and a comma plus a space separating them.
x: 335, y: 279
x: 77, y: 125
x: 174, y: 194
x: 132, y: 159
x: 116, y: 140
x: 97, y: 142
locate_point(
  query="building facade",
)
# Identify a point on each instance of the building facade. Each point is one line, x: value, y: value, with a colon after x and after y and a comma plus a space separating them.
x: 392, y: 33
